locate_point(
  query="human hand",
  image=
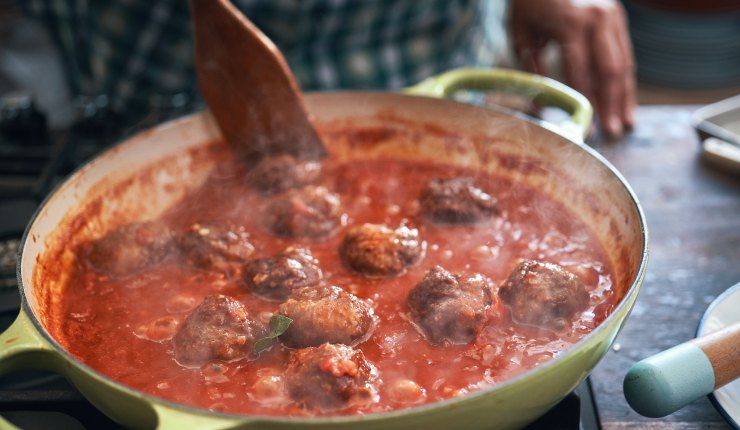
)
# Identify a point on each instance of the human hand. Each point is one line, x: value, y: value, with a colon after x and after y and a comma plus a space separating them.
x: 595, y: 48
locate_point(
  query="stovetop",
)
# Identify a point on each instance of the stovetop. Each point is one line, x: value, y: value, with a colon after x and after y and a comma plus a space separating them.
x: 33, y: 160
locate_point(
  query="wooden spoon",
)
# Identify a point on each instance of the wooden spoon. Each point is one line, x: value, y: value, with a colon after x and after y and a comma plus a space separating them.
x: 248, y: 86
x: 662, y: 384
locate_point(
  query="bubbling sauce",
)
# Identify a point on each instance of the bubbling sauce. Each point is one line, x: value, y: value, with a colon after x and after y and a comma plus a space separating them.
x: 123, y: 326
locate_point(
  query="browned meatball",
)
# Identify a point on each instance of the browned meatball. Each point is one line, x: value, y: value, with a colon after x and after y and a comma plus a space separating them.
x: 276, y: 277
x: 282, y: 172
x: 330, y: 377
x: 455, y: 201
x: 311, y: 212
x: 218, y: 329
x: 218, y: 247
x: 326, y: 314
x: 543, y: 295
x: 376, y: 250
x: 130, y: 249
x: 450, y: 308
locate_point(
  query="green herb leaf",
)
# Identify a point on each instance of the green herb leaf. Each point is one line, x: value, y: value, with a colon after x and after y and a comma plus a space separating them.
x: 278, y: 325
x: 263, y: 344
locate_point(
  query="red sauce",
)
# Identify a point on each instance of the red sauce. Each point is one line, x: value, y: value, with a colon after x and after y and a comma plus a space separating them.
x: 122, y: 327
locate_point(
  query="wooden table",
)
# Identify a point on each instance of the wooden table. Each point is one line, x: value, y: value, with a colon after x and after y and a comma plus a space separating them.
x: 693, y: 216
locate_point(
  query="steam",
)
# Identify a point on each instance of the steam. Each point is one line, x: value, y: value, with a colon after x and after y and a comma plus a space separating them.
x: 510, y: 159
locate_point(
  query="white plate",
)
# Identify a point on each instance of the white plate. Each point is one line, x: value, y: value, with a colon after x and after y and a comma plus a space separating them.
x: 723, y: 311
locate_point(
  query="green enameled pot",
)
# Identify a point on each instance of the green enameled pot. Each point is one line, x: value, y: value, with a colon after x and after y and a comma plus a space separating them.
x: 549, y: 157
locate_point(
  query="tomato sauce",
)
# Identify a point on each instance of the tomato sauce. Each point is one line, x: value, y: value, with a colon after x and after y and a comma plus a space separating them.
x: 122, y: 327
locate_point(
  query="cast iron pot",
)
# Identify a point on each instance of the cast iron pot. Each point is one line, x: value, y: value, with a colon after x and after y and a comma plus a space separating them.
x: 171, y: 160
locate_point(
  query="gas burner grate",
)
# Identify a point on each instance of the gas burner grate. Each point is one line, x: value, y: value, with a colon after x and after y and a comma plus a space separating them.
x: 8, y: 256
x: 9, y: 298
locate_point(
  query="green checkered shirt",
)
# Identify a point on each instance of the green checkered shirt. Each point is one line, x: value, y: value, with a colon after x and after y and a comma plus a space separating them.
x: 131, y: 50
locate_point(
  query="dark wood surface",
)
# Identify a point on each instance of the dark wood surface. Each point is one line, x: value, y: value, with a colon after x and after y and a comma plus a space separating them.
x: 693, y: 216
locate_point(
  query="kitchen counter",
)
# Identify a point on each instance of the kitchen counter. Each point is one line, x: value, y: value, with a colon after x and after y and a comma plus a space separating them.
x: 693, y: 217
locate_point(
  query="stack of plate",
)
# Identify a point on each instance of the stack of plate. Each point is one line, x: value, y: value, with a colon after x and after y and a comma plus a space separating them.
x: 688, y: 49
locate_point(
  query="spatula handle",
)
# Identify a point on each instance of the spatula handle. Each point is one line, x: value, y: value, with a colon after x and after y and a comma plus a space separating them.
x: 723, y: 350
x: 662, y: 384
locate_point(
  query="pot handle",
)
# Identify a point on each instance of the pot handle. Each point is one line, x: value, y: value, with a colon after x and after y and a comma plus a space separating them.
x: 23, y: 347
x: 172, y: 418
x: 541, y: 89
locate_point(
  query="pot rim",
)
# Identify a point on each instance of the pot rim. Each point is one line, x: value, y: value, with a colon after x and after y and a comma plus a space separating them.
x: 533, y: 373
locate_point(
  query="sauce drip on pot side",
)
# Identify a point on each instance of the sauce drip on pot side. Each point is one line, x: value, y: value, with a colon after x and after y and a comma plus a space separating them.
x: 123, y: 326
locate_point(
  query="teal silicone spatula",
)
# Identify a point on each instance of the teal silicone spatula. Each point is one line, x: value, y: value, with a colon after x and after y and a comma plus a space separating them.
x: 662, y: 384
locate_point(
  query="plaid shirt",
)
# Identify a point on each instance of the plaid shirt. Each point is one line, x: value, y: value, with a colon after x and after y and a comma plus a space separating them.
x: 131, y: 50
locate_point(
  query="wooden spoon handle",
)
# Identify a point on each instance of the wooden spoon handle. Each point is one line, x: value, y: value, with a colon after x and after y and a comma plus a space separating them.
x: 662, y: 384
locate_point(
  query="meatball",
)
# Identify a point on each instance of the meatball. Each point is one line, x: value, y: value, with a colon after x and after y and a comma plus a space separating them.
x: 330, y: 377
x: 455, y: 201
x: 218, y: 329
x: 450, y: 308
x: 216, y: 247
x: 543, y: 295
x: 326, y: 314
x: 311, y: 212
x: 282, y: 172
x: 276, y: 277
x: 376, y: 250
x: 130, y: 249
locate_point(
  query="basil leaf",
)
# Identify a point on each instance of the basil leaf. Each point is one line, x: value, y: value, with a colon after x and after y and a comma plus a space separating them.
x: 263, y: 344
x: 278, y: 325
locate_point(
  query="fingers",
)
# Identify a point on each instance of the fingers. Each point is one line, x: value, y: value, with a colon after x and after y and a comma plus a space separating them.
x: 595, y: 47
x: 529, y: 50
x: 612, y: 64
x: 576, y: 67
x: 606, y: 56
x: 629, y: 100
x: 598, y: 62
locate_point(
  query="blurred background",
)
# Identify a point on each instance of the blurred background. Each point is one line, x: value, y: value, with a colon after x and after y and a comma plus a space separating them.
x: 687, y: 51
